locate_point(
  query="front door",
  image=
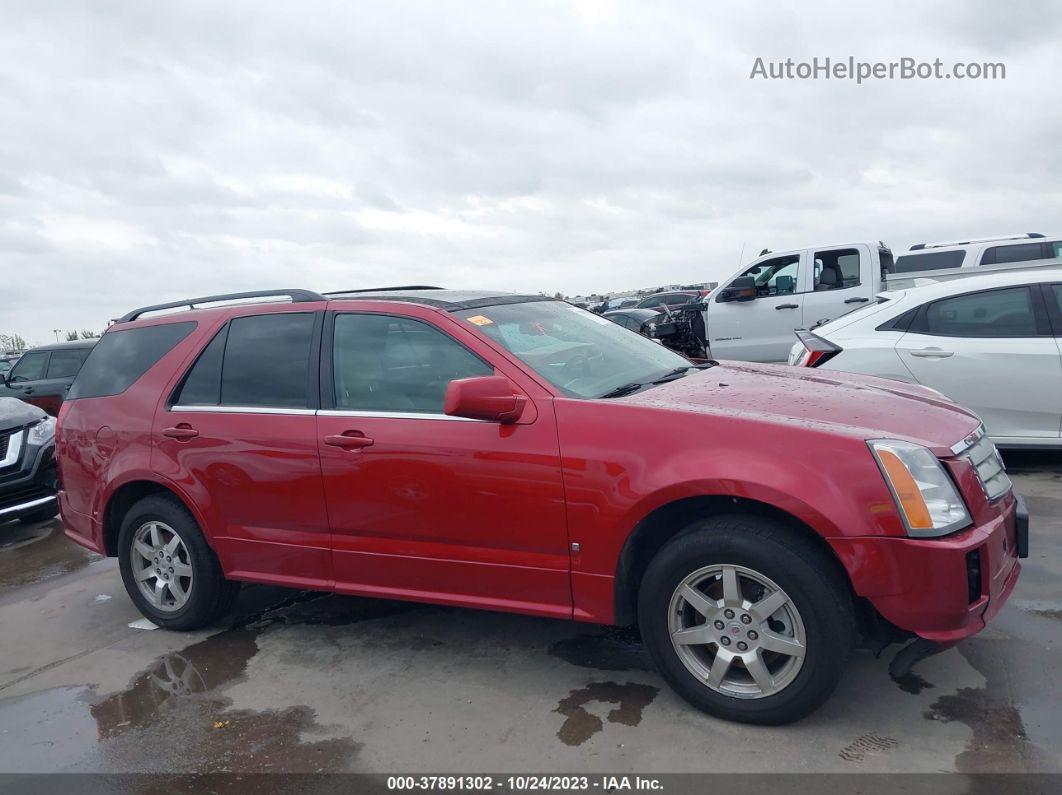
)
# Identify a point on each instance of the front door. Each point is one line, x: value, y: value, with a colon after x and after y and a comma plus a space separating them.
x: 241, y: 436
x: 760, y: 329
x: 429, y: 507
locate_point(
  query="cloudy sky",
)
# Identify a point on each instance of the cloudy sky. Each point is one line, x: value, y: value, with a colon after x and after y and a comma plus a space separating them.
x: 152, y: 151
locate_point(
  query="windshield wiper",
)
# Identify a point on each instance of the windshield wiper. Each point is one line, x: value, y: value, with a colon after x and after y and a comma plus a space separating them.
x: 634, y: 386
x: 620, y: 391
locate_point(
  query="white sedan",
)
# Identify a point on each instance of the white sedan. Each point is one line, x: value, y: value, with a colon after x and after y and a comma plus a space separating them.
x: 992, y: 343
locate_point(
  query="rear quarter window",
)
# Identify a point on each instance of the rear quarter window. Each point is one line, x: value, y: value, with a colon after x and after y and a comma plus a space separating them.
x: 121, y: 357
x: 930, y: 261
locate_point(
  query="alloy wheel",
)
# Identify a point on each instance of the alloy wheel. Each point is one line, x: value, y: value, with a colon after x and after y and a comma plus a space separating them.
x: 737, y: 631
x: 162, y: 567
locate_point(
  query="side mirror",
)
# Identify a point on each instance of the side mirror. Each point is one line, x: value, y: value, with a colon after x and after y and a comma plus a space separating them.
x: 489, y: 397
x: 743, y: 288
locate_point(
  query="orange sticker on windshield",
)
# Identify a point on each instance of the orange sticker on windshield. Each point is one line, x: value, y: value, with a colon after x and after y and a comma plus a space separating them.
x: 479, y: 320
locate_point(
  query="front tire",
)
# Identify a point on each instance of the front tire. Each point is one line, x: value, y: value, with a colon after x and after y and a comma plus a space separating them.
x: 170, y: 572
x: 747, y: 619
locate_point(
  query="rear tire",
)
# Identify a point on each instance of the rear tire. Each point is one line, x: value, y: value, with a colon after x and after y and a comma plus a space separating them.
x: 768, y: 619
x: 170, y: 572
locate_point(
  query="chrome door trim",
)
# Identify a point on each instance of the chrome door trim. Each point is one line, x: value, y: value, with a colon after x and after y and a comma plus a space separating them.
x: 393, y: 415
x: 243, y: 410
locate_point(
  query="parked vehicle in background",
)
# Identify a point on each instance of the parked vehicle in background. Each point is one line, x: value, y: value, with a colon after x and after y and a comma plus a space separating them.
x: 753, y: 315
x: 6, y: 363
x: 28, y: 481
x: 751, y: 546
x: 992, y: 343
x: 659, y: 301
x: 42, y: 375
x: 1030, y: 247
x: 642, y: 321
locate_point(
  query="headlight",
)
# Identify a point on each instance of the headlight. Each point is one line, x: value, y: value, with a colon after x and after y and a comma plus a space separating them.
x: 42, y: 433
x: 926, y: 497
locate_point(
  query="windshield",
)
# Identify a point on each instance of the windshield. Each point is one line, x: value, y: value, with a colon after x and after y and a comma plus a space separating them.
x: 583, y: 354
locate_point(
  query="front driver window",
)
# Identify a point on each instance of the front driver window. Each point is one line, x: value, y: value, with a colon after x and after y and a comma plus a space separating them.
x: 394, y: 364
x: 776, y: 276
x: 30, y: 367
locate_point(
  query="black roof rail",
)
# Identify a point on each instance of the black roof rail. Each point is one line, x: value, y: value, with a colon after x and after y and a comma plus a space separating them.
x: 296, y: 296
x: 918, y: 246
x: 1034, y: 234
x: 385, y: 289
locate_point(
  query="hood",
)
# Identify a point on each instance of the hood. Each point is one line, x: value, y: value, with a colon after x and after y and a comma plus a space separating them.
x: 15, y: 413
x: 855, y: 405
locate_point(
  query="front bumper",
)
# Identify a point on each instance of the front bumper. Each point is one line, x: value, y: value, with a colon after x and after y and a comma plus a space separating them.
x: 31, y: 486
x: 942, y: 589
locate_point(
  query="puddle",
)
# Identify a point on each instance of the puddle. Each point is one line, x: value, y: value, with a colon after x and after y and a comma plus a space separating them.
x: 580, y: 725
x: 29, y: 555
x: 173, y: 716
x: 999, y: 741
x: 612, y: 649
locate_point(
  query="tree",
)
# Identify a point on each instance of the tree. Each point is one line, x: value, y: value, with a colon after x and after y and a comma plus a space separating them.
x: 12, y: 342
x: 89, y: 335
x: 71, y: 336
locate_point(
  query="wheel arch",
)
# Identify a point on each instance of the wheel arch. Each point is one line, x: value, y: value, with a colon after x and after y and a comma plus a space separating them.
x: 669, y: 520
x: 125, y: 497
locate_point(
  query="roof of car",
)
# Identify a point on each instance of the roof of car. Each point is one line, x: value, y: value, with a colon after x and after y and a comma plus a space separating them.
x: 969, y: 284
x: 450, y: 300
x: 63, y: 346
x: 632, y: 311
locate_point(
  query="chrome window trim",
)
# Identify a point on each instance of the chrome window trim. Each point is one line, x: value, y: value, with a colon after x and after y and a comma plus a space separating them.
x: 14, y: 448
x: 244, y: 410
x: 394, y: 415
x: 382, y: 415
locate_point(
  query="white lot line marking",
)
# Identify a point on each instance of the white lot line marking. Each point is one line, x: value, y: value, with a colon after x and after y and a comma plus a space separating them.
x: 142, y: 623
x: 101, y: 597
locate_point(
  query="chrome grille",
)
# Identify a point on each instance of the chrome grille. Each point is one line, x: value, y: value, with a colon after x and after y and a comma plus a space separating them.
x: 986, y: 462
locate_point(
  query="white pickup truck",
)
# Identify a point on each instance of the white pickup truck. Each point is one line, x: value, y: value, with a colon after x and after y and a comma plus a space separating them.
x: 753, y: 314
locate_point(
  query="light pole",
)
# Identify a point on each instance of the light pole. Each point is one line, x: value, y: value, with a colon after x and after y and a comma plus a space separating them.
x: 57, y: 330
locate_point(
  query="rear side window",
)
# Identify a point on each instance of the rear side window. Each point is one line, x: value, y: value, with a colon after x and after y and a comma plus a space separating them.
x: 261, y: 360
x: 992, y: 313
x: 65, y: 364
x: 121, y: 357
x: 1000, y: 255
x: 930, y: 261
x: 836, y: 270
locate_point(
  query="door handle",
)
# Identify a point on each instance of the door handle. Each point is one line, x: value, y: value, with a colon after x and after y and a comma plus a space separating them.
x: 856, y: 300
x: 788, y: 306
x: 349, y: 440
x: 182, y: 432
x: 28, y: 390
x: 932, y: 353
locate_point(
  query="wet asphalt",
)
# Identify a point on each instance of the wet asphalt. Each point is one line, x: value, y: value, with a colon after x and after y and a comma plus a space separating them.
x: 295, y: 681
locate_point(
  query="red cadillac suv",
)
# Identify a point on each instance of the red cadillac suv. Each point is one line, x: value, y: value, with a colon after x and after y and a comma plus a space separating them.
x: 517, y: 453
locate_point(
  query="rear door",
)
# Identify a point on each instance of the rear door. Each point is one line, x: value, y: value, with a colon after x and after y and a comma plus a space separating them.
x: 761, y: 329
x: 993, y: 351
x: 841, y: 280
x: 1052, y: 294
x: 239, y: 434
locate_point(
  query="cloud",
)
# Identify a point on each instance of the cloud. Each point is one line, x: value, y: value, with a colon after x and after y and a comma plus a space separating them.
x: 154, y: 151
